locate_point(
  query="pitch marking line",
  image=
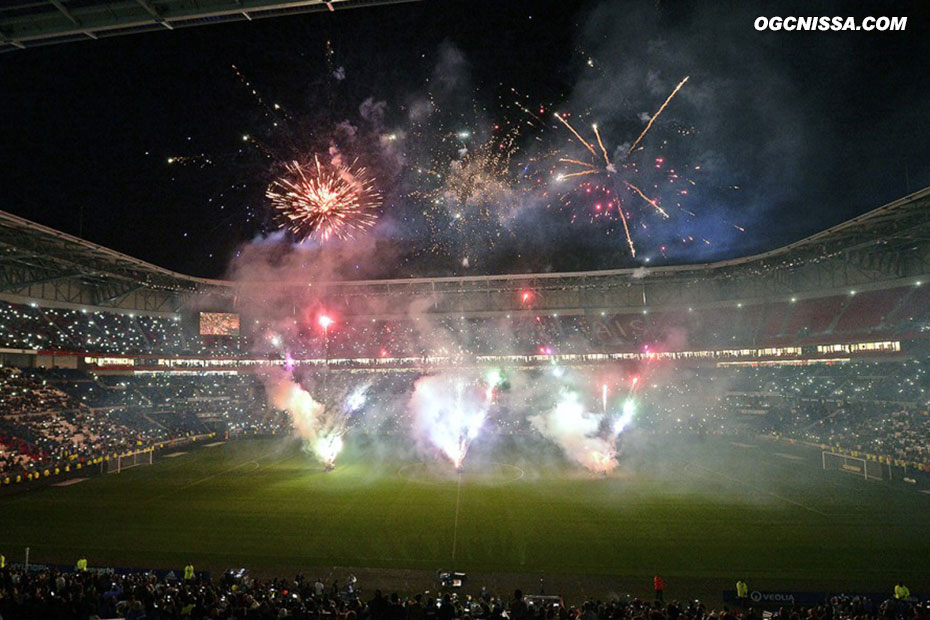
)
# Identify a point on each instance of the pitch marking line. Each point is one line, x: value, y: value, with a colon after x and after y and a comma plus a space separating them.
x: 789, y: 456
x: 214, y: 444
x: 755, y: 488
x: 519, y: 477
x: 455, y: 527
x: 225, y: 471
x: 173, y: 455
x: 210, y: 477
x: 409, y: 471
x: 68, y: 483
x: 743, y: 445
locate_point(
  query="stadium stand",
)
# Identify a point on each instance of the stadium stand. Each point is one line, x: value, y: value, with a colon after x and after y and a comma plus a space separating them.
x: 136, y: 595
x: 93, y: 355
x: 53, y: 418
x: 867, y: 311
x: 21, y: 394
x: 56, y: 417
x: 809, y: 321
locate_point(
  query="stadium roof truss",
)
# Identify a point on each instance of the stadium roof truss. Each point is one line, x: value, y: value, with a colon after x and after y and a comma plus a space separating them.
x: 40, y: 263
x: 887, y: 247
x: 29, y: 23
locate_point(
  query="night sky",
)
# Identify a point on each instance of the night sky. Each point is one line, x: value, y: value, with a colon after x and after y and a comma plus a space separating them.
x: 782, y: 133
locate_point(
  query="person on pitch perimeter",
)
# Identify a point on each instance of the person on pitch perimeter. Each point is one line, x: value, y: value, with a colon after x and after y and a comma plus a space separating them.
x: 742, y: 593
x: 659, y: 585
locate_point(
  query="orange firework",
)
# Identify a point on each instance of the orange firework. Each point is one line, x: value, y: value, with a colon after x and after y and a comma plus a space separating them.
x: 325, y: 200
x: 650, y: 201
x: 610, y: 168
x: 656, y: 115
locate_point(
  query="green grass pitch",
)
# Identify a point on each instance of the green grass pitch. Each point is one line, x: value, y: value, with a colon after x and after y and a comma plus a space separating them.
x: 701, y: 514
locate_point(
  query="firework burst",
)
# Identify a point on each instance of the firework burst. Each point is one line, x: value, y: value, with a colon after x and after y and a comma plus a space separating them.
x: 325, y: 200
x: 468, y: 188
x: 599, y: 173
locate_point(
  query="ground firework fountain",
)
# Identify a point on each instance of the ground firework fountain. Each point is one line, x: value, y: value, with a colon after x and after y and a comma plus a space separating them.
x: 449, y: 412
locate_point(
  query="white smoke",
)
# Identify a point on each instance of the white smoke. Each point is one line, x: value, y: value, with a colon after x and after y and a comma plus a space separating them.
x: 320, y: 430
x: 581, y: 433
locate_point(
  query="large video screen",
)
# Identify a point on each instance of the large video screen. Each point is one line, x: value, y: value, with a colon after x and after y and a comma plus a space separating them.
x: 219, y: 324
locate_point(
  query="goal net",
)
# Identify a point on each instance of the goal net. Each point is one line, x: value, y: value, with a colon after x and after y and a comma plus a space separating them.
x: 870, y: 470
x: 116, y: 464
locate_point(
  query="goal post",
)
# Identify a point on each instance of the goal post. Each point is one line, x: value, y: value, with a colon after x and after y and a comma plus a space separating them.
x: 858, y: 466
x: 120, y: 462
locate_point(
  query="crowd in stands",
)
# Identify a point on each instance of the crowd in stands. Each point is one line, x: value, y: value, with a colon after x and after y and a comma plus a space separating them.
x: 53, y: 418
x: 53, y: 595
x: 894, y: 313
x: 21, y: 394
x: 56, y: 329
x: 881, y: 409
x: 899, y: 432
x: 38, y: 443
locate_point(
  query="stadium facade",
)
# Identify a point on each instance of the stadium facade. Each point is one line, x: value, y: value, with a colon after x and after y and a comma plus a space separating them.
x: 861, y: 288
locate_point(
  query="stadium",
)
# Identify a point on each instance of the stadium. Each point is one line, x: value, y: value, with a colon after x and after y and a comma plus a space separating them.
x: 608, y: 442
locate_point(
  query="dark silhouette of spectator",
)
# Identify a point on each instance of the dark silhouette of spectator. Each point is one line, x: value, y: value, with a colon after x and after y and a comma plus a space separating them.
x: 518, y: 610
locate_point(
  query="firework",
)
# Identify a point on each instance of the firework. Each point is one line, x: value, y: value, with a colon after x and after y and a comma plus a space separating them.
x: 626, y: 416
x: 450, y: 412
x: 601, y: 166
x: 627, y: 412
x: 328, y: 446
x: 325, y: 201
x: 656, y: 115
x: 468, y: 188
x: 588, y: 437
x: 578, y: 432
x: 320, y: 428
x: 357, y: 398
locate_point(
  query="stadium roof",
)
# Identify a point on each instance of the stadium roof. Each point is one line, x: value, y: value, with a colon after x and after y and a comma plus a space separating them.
x: 42, y: 263
x: 892, y: 226
x: 29, y: 23
x: 888, y: 244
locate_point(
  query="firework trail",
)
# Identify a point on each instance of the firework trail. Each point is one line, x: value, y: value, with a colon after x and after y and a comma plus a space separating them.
x: 626, y: 231
x: 325, y: 200
x: 656, y: 115
x: 626, y: 416
x: 628, y: 411
x: 649, y: 200
x: 576, y: 134
x: 600, y: 143
x: 269, y: 110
